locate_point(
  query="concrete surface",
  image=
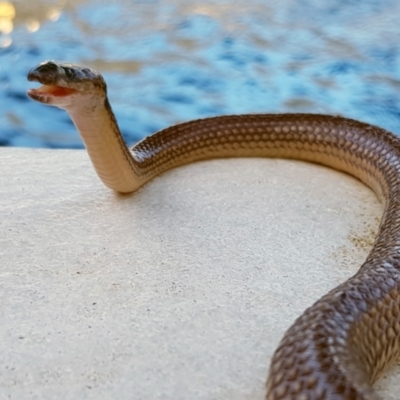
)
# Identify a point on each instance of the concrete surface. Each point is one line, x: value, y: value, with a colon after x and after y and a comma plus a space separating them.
x: 181, y: 291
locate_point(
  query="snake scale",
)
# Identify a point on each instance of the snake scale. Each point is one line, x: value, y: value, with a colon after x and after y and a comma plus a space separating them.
x: 340, y: 345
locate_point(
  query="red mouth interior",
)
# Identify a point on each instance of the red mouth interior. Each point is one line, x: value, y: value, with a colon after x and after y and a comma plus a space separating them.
x: 57, y: 91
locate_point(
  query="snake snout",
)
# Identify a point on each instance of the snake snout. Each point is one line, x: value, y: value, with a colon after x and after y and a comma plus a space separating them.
x: 46, y: 73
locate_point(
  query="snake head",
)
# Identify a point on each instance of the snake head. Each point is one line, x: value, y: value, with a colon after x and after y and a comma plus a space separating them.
x: 67, y: 86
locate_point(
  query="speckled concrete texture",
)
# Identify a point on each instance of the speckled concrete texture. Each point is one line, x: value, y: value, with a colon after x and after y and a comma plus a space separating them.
x: 180, y: 291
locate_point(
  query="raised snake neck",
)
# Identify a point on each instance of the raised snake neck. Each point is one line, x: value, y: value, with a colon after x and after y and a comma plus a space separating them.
x: 339, y: 346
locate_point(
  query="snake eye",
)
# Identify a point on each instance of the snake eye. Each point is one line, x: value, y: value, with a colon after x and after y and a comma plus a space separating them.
x: 69, y: 72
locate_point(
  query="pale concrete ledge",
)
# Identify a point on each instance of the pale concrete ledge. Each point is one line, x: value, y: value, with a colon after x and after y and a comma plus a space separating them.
x: 181, y: 291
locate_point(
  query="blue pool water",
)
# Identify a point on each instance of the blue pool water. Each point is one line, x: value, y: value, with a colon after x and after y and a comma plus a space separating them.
x: 168, y: 61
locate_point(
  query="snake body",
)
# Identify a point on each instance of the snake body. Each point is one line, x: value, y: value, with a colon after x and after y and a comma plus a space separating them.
x: 340, y: 345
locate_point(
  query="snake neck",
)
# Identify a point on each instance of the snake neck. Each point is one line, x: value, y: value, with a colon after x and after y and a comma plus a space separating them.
x: 107, y: 150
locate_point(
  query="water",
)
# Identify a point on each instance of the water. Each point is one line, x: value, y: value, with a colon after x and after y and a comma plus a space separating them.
x: 168, y: 61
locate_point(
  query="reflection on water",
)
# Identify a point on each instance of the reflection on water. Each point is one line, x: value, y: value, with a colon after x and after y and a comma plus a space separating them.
x: 167, y: 61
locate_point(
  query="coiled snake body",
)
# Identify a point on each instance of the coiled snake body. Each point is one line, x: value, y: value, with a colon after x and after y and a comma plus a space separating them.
x: 341, y: 344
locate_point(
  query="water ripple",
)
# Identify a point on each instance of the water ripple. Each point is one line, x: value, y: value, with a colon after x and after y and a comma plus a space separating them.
x: 170, y: 61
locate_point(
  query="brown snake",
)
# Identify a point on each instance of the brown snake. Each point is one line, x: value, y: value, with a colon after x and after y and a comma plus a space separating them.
x: 341, y: 344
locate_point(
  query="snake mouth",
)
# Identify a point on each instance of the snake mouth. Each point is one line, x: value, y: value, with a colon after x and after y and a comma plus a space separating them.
x: 45, y: 93
x: 52, y: 90
x: 61, y: 81
x: 47, y: 75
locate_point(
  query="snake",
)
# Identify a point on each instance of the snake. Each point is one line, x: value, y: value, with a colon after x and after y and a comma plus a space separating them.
x: 341, y: 344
